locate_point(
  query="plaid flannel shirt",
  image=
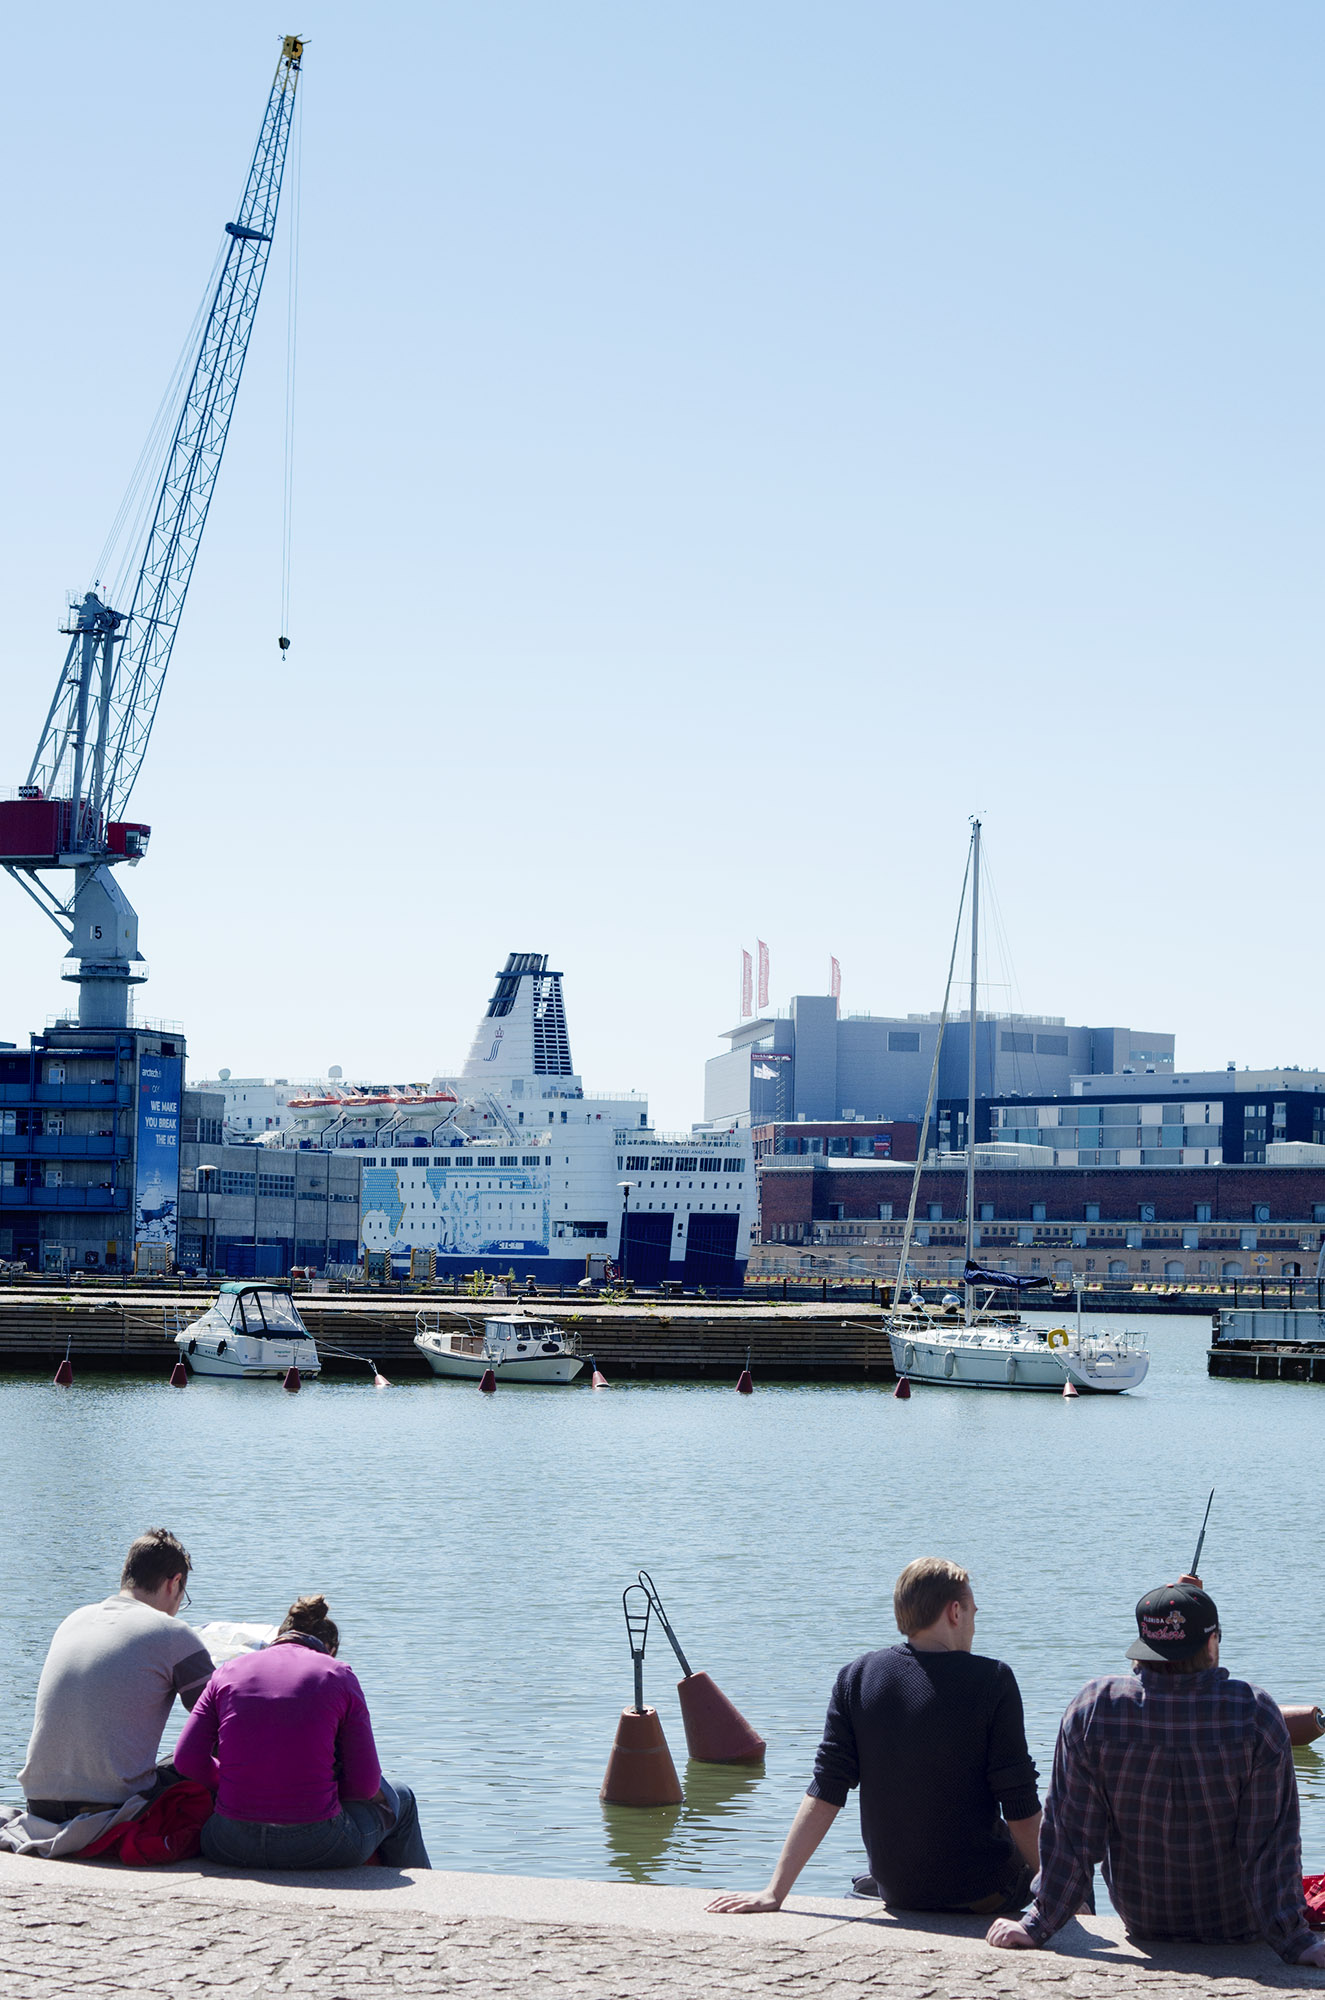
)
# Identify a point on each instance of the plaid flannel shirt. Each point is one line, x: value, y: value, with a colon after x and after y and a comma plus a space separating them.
x: 1182, y: 1785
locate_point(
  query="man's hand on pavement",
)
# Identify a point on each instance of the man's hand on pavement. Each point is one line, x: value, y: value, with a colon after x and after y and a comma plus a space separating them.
x: 1009, y: 1935
x: 746, y: 1905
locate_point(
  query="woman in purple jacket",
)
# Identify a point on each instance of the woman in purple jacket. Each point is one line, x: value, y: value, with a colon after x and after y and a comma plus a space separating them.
x: 283, y: 1738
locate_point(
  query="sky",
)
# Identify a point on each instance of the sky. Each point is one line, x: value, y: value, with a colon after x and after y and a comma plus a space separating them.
x: 735, y: 443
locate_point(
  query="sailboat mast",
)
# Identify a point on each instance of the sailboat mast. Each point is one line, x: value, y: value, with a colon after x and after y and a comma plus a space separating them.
x: 970, y: 1068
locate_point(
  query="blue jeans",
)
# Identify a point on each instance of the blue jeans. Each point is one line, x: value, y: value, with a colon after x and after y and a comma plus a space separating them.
x: 358, y: 1830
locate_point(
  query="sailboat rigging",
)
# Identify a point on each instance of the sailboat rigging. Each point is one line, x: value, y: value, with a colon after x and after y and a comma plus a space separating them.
x: 974, y: 1348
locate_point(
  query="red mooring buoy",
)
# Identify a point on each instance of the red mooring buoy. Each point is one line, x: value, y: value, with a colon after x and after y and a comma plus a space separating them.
x: 597, y: 1380
x: 1305, y: 1723
x: 179, y: 1376
x: 379, y: 1381
x: 291, y: 1381
x: 903, y: 1390
x: 64, y: 1374
x: 640, y: 1771
x: 488, y: 1383
x: 1070, y: 1388
x: 716, y: 1731
x: 744, y: 1383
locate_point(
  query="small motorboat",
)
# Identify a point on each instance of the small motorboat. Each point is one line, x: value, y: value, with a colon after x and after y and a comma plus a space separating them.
x: 516, y: 1347
x: 253, y: 1331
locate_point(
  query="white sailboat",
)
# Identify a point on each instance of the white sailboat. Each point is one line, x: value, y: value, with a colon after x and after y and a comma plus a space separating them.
x: 969, y: 1346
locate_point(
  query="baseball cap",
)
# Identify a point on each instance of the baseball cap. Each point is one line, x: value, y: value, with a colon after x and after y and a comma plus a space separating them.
x: 1173, y: 1622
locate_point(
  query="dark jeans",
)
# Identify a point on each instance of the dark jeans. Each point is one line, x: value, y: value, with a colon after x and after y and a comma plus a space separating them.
x: 359, y: 1830
x: 1007, y: 1900
x: 63, y: 1809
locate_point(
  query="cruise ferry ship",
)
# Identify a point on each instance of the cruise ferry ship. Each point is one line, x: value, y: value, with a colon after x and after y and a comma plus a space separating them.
x: 512, y: 1166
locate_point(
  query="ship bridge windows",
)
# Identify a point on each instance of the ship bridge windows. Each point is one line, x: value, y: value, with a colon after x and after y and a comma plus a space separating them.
x: 684, y: 1166
x: 661, y: 1163
x: 486, y: 1160
x: 531, y: 1160
x: 638, y: 1163
x: 733, y: 1166
x: 710, y: 1166
x: 510, y: 1160
x: 401, y: 1160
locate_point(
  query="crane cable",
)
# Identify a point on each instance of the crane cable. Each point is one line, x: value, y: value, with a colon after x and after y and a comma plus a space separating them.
x: 291, y: 353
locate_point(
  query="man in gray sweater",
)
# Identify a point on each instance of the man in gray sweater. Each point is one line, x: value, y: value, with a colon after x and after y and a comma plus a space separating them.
x: 111, y: 1675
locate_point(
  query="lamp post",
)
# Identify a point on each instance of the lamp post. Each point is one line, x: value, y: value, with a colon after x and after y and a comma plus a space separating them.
x: 206, y: 1175
x: 625, y: 1187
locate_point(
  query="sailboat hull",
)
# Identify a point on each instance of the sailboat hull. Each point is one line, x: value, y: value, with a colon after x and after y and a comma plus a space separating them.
x: 972, y: 1360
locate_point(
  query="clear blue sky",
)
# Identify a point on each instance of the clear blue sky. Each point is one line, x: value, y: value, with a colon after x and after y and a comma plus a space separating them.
x: 735, y: 442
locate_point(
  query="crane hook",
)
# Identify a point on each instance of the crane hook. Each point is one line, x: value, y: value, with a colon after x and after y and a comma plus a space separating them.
x: 284, y: 645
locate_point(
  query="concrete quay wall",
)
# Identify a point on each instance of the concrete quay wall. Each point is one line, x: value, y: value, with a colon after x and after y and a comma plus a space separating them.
x: 107, y: 1933
x: 135, y: 1332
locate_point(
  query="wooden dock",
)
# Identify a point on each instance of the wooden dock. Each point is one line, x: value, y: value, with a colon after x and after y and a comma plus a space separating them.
x: 133, y: 1331
x: 1263, y: 1362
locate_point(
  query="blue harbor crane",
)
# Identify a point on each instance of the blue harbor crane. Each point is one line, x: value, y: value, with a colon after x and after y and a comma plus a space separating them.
x: 68, y: 818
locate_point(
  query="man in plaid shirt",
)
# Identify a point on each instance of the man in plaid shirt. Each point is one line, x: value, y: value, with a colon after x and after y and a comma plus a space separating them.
x: 1180, y: 1781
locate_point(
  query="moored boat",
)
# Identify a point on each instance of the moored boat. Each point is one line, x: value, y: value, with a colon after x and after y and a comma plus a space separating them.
x: 1010, y: 1355
x: 252, y: 1331
x: 964, y: 1345
x: 515, y: 1346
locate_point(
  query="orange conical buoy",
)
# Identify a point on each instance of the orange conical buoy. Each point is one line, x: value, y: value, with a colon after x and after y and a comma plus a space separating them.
x: 597, y: 1380
x: 716, y: 1731
x: 291, y: 1381
x: 903, y: 1390
x: 640, y: 1771
x: 1305, y: 1723
x: 488, y: 1383
x: 179, y: 1376
x: 64, y: 1374
x: 744, y: 1384
x: 379, y: 1381
x: 1070, y: 1388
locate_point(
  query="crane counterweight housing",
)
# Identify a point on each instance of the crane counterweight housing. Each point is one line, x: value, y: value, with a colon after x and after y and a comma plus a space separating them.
x: 69, y: 815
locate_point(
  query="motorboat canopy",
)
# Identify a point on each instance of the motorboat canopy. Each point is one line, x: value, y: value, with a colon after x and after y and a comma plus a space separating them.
x: 261, y: 1308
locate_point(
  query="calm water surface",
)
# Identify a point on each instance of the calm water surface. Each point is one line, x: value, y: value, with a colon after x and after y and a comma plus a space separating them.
x: 474, y: 1549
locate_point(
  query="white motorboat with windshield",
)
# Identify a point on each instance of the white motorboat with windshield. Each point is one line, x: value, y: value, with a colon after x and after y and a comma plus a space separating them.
x: 515, y: 1346
x: 253, y: 1330
x: 964, y: 1344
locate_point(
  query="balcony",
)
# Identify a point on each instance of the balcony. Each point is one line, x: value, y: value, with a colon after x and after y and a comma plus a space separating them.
x: 64, y: 1197
x: 85, y: 1093
x: 64, y: 1146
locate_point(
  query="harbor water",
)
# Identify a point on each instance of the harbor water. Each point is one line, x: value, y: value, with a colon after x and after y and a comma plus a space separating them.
x: 474, y: 1549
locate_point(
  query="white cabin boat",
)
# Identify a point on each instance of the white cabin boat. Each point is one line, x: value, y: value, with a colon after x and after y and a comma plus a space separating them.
x: 516, y: 1347
x: 253, y: 1331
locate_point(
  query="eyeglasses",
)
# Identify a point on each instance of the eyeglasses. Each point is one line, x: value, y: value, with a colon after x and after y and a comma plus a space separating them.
x: 185, y: 1600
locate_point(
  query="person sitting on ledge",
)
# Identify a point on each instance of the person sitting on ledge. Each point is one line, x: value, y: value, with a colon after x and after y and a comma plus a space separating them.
x: 284, y: 1739
x: 108, y: 1684
x: 934, y: 1736
x: 1179, y: 1780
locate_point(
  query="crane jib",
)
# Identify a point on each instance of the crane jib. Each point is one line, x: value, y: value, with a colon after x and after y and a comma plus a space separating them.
x: 70, y: 813
x: 107, y: 703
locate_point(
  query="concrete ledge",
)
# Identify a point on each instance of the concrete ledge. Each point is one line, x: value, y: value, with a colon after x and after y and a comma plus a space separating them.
x: 110, y: 1931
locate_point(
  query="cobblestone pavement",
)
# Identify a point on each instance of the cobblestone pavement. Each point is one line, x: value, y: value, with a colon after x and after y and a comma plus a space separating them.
x: 103, y: 1946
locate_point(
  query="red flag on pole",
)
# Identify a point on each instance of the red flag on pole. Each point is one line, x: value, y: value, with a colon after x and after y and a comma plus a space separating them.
x: 763, y: 974
x: 747, y: 986
x: 835, y: 984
